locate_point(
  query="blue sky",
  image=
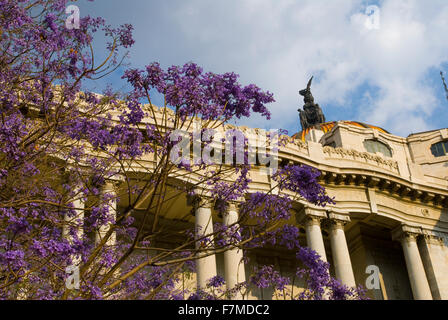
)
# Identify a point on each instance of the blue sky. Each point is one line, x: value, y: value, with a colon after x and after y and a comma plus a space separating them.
x: 387, y: 77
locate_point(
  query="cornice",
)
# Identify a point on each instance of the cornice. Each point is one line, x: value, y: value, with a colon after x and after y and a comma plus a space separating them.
x: 428, y: 136
x: 364, y: 131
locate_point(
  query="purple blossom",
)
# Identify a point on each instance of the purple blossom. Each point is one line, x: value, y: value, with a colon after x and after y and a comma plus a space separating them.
x: 303, y: 180
x: 60, y: 146
x: 267, y: 276
x: 216, y: 282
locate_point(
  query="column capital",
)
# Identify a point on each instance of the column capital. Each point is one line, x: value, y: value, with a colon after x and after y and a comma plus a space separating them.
x: 407, y: 232
x: 233, y: 206
x: 310, y: 215
x: 226, y: 209
x: 197, y: 201
x: 206, y: 203
x: 112, y: 183
x: 226, y: 206
x: 310, y: 220
x: 432, y: 237
x: 338, y: 220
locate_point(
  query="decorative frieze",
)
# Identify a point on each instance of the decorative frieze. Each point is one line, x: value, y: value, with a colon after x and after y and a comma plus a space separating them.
x: 351, y: 154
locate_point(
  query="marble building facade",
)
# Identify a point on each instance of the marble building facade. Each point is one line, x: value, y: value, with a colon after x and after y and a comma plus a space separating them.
x: 391, y: 211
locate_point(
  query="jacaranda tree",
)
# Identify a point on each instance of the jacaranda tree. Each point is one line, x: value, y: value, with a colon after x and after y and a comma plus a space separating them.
x: 61, y: 145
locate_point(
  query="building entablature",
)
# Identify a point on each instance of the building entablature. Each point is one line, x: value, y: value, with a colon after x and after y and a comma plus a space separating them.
x: 348, y: 161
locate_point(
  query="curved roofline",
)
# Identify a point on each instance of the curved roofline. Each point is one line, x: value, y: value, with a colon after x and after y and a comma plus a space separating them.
x: 328, y: 126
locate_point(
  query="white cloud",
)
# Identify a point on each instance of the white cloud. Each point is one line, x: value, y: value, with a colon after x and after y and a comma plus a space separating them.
x: 278, y: 45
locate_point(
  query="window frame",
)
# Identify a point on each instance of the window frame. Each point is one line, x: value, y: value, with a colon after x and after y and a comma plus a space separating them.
x: 444, y: 148
x: 378, y: 150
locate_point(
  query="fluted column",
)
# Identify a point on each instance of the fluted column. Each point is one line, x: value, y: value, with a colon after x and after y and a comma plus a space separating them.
x: 341, y: 256
x: 408, y: 237
x: 109, y: 188
x: 312, y: 221
x: 314, y: 237
x: 435, y: 263
x: 233, y: 258
x: 206, y: 266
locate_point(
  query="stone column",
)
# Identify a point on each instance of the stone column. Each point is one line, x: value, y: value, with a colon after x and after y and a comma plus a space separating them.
x: 408, y: 237
x: 435, y: 262
x: 206, y: 266
x: 109, y: 188
x: 74, y: 221
x: 341, y: 256
x: 233, y: 258
x: 312, y: 221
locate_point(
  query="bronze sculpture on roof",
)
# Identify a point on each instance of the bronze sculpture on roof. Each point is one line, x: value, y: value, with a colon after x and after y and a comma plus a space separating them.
x: 312, y: 113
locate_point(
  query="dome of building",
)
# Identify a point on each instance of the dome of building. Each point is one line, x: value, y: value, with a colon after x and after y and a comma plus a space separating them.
x: 328, y: 126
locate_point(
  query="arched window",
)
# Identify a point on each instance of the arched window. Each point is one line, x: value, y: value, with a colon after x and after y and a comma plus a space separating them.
x: 440, y: 149
x: 374, y: 146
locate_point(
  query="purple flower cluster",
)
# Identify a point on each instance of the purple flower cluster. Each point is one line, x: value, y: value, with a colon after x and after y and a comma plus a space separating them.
x: 302, y: 179
x: 216, y: 282
x: 193, y: 92
x: 60, y: 146
x: 267, y: 276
